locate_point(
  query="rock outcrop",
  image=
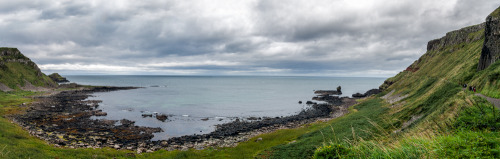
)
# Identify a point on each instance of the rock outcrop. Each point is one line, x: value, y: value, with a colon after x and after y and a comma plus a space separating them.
x: 56, y: 77
x: 367, y: 93
x: 456, y: 37
x: 491, y: 47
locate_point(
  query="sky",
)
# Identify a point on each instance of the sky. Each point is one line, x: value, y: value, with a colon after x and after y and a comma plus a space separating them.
x: 348, y: 38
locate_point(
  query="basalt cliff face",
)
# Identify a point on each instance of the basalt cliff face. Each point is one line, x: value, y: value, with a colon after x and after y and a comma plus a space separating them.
x: 456, y: 37
x: 491, y: 47
x: 19, y: 72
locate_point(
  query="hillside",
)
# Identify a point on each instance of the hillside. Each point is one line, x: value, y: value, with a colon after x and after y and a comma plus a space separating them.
x: 19, y: 72
x: 429, y: 112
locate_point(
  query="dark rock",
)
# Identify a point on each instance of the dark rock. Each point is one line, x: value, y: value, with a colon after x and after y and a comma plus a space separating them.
x: 252, y: 118
x: 300, y: 102
x: 491, y: 46
x: 146, y: 115
x: 204, y: 119
x: 367, y: 93
x: 358, y: 95
x: 328, y: 92
x: 161, y: 117
x: 334, y: 100
x: 372, y: 92
x: 309, y: 102
x: 99, y: 113
x: 127, y: 123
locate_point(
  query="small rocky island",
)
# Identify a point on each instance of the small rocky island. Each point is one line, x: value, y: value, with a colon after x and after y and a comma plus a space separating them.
x: 58, y: 78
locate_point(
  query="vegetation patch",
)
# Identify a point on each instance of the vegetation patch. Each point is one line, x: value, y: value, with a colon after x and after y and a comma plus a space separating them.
x: 356, y: 125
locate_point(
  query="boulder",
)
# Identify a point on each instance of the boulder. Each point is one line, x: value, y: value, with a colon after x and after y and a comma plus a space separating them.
x: 161, y: 117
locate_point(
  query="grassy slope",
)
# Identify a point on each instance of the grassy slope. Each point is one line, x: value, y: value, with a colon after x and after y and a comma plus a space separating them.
x: 344, y: 129
x: 14, y: 74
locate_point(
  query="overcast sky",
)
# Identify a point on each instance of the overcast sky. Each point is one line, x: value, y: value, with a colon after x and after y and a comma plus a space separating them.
x: 231, y: 37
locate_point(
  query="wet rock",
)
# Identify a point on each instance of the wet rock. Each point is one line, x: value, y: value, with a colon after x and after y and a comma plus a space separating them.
x: 127, y: 123
x: 358, y: 95
x: 310, y: 102
x: 328, y: 92
x: 161, y: 117
x: 367, y: 93
x: 99, y: 113
x: 147, y: 115
x: 252, y: 118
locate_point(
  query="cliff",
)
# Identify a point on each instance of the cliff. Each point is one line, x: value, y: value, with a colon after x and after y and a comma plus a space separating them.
x: 19, y: 72
x: 456, y: 37
x: 491, y: 47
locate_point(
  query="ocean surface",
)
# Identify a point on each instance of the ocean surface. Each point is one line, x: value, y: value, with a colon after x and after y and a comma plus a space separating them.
x: 220, y: 99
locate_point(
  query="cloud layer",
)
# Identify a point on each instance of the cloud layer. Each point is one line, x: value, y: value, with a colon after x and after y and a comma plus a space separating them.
x: 227, y: 37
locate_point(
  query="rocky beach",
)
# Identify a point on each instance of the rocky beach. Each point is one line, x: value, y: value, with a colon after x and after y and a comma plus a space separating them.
x: 64, y: 119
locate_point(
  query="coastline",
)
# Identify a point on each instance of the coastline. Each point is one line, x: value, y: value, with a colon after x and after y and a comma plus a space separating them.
x: 63, y: 120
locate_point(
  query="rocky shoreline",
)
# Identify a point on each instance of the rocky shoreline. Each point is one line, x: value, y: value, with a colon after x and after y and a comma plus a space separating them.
x: 64, y: 120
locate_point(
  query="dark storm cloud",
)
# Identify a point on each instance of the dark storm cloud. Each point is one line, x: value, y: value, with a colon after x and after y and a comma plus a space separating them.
x: 299, y: 37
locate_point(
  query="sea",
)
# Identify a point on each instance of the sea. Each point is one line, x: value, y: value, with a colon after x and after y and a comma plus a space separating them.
x: 196, y: 104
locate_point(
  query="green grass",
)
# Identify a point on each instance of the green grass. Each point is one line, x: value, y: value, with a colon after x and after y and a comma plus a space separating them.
x: 488, y: 81
x: 474, y: 134
x: 14, y: 98
x: 461, y: 144
x: 352, y: 126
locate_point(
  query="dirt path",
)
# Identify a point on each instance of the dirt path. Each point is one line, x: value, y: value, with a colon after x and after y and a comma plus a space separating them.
x: 494, y: 101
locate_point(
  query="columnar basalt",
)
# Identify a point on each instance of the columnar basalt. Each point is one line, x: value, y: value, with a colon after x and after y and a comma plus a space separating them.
x: 491, y: 47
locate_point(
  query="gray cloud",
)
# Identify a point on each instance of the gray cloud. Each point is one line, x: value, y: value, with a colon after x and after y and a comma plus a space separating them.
x: 299, y: 37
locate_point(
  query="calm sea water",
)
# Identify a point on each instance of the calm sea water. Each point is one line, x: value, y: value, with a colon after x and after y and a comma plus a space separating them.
x: 189, y: 99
